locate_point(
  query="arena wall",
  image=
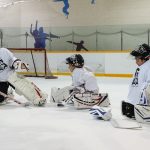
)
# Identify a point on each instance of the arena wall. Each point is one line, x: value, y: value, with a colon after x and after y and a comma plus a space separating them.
x: 103, y: 63
x: 81, y: 13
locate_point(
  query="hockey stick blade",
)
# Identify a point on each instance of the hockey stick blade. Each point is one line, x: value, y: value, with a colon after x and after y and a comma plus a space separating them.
x: 129, y: 125
x: 14, y: 100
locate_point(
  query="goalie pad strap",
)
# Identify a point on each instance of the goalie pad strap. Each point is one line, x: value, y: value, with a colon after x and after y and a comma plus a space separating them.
x: 87, y: 100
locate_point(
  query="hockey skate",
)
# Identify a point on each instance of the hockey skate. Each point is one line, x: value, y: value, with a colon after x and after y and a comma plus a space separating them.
x: 87, y: 101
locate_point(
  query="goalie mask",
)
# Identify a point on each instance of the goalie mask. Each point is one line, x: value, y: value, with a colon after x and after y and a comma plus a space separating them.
x: 75, y: 60
x: 142, y: 51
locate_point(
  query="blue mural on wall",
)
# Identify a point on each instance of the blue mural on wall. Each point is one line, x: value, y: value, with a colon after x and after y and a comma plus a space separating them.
x: 79, y: 45
x: 40, y: 36
x: 65, y: 8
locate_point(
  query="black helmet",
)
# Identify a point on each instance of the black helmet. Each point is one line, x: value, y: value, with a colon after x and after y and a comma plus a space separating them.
x: 75, y: 60
x: 142, y: 51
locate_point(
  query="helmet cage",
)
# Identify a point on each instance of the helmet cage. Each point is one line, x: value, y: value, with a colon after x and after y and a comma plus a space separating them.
x: 141, y: 51
x: 75, y: 60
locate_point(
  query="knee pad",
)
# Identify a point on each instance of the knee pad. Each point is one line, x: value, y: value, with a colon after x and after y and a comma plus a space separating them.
x: 127, y: 109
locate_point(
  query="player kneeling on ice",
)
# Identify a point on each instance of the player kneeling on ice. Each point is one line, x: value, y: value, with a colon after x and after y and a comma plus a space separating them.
x: 137, y: 104
x: 8, y: 65
x: 84, y: 92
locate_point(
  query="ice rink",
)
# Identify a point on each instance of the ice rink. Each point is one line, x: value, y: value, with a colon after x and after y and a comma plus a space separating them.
x: 54, y: 128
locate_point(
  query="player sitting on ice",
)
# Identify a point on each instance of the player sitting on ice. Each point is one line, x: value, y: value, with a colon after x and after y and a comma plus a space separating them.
x: 137, y: 104
x: 84, y: 92
x: 8, y: 76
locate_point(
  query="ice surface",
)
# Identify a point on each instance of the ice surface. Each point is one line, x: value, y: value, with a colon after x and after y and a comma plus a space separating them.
x: 53, y: 128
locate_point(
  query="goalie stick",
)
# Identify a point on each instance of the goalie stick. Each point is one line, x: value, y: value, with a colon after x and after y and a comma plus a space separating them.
x: 125, y: 124
x: 14, y: 100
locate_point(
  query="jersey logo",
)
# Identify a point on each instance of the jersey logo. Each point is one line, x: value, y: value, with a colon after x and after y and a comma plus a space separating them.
x: 2, y: 65
x: 135, y: 79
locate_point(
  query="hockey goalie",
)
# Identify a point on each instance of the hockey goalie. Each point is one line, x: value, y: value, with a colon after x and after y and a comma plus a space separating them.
x: 84, y: 91
x: 138, y: 102
x: 9, y: 66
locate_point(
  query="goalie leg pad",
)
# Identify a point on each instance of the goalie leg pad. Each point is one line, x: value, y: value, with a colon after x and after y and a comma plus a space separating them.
x: 127, y: 109
x: 147, y: 93
x: 105, y: 102
x: 28, y: 89
x: 88, y: 100
x: 58, y: 95
x: 142, y: 113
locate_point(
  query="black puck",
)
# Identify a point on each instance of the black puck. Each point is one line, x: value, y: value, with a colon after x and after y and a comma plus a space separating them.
x: 60, y: 105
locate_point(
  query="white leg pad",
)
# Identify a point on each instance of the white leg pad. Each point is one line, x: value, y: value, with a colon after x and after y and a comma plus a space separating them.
x: 88, y: 100
x: 28, y: 89
x: 142, y: 113
x: 147, y: 93
x: 58, y: 95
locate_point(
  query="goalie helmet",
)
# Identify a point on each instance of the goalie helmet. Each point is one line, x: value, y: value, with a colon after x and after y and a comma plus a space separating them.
x: 142, y: 51
x: 75, y: 60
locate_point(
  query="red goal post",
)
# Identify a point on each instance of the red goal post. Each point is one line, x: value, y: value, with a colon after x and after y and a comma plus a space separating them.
x: 37, y: 60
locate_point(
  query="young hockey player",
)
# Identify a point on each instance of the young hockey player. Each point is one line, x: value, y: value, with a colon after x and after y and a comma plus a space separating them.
x: 8, y: 65
x: 7, y: 61
x: 84, y: 91
x: 139, y: 91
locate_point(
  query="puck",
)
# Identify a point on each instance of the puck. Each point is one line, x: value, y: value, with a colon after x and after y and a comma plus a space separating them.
x: 60, y: 105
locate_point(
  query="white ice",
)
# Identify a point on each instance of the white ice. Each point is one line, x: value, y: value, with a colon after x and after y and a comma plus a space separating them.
x: 53, y: 128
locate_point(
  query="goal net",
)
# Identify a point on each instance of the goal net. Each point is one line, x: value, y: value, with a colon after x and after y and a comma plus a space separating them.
x: 37, y: 60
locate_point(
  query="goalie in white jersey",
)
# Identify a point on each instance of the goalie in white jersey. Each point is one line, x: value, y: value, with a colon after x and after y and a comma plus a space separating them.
x: 8, y: 76
x: 84, y: 91
x: 7, y: 61
x: 139, y: 91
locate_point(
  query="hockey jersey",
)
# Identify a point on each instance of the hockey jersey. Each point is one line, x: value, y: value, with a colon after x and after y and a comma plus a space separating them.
x: 6, y: 61
x: 140, y: 79
x: 82, y: 77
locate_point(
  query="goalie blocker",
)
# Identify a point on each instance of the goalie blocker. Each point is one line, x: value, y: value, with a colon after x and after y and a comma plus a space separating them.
x: 28, y: 89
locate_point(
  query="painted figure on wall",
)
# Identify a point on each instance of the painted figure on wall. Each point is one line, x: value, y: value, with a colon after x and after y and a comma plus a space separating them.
x: 40, y: 37
x: 79, y: 45
x: 66, y: 6
x: 93, y: 1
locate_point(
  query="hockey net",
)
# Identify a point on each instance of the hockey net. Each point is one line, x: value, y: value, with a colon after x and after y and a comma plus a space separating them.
x: 37, y: 60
